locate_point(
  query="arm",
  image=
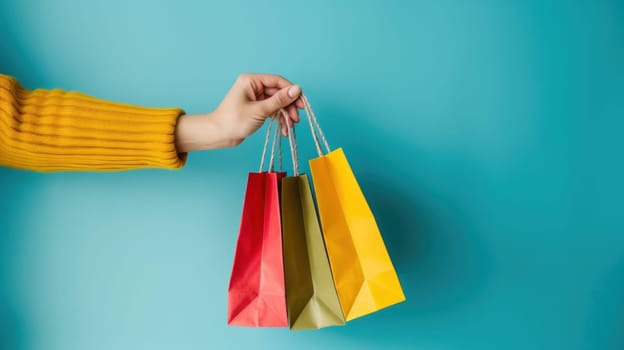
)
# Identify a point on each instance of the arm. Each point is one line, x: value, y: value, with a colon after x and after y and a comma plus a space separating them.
x: 54, y: 130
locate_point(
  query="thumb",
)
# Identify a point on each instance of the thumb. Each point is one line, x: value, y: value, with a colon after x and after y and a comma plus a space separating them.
x: 280, y: 99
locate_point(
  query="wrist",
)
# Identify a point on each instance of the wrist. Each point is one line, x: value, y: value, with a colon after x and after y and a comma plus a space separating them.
x: 201, y: 132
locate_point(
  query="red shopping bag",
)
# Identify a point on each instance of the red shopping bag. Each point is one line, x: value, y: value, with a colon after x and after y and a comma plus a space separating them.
x: 256, y: 295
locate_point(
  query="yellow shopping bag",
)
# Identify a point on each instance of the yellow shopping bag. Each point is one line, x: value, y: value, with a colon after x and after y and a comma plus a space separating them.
x: 365, y: 278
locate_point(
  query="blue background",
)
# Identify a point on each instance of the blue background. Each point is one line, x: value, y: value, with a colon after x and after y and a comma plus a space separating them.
x: 487, y: 136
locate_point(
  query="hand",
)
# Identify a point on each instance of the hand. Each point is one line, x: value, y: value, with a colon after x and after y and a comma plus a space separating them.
x: 252, y: 98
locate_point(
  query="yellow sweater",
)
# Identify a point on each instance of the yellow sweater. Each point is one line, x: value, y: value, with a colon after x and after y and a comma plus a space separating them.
x: 52, y: 130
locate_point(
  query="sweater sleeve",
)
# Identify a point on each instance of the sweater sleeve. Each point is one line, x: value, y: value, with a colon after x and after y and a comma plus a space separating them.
x: 55, y: 130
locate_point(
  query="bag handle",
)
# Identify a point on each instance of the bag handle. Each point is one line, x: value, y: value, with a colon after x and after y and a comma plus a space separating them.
x: 266, y: 144
x: 292, y: 141
x: 313, y: 121
x: 315, y: 128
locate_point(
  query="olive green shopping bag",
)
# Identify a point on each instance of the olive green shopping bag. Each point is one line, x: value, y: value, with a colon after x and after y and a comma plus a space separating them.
x: 311, y: 298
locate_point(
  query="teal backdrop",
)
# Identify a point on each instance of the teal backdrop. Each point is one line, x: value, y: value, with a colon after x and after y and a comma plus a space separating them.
x: 487, y: 136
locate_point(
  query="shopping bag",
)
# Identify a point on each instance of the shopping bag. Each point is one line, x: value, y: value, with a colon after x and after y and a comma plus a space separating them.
x: 363, y: 273
x: 311, y: 297
x: 256, y: 294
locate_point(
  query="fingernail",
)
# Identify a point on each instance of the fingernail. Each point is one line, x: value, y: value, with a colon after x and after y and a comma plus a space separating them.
x: 294, y: 91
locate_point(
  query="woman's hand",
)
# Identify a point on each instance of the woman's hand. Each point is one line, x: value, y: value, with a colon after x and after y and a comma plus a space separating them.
x: 252, y: 98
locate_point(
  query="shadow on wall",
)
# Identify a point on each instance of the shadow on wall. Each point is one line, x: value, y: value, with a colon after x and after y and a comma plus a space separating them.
x: 606, y: 319
x: 14, y: 333
x: 441, y: 264
x: 12, y: 329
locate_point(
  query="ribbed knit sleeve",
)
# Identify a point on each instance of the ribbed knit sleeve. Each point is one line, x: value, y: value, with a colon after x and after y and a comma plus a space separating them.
x: 55, y: 130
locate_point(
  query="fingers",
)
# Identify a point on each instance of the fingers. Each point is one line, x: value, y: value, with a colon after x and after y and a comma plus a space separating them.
x: 267, y: 80
x: 272, y: 91
x: 288, y: 118
x: 293, y: 113
x: 281, y: 99
x: 267, y: 84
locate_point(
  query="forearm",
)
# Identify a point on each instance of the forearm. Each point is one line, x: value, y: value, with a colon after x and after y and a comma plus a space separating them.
x: 201, y: 132
x: 54, y: 130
